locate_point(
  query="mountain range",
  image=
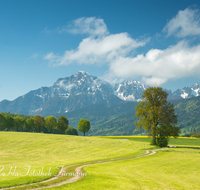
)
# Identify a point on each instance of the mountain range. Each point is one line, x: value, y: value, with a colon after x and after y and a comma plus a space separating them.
x: 81, y: 90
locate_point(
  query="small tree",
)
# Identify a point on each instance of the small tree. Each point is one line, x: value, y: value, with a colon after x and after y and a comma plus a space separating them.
x: 50, y: 123
x: 18, y: 122
x: 62, y: 124
x: 84, y: 126
x: 154, y: 110
x: 29, y: 124
x: 39, y: 122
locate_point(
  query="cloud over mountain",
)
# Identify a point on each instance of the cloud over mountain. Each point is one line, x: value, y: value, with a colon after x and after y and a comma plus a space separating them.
x: 158, y: 66
x: 154, y: 68
x: 99, y: 47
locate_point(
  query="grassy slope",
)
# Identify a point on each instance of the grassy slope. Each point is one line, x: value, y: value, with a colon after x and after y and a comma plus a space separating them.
x: 172, y: 169
x: 45, y: 150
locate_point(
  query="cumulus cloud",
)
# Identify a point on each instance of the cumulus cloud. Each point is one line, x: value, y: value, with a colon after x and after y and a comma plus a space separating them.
x: 185, y: 23
x: 154, y: 68
x: 158, y: 66
x: 99, y: 47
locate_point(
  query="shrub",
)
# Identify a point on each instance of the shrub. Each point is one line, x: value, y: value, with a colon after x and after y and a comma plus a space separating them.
x: 71, y: 131
x: 162, y: 141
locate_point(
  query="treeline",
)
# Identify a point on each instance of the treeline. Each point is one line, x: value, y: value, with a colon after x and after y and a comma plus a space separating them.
x: 27, y: 123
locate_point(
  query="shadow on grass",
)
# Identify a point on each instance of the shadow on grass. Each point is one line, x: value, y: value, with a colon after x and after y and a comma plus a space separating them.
x: 191, y: 147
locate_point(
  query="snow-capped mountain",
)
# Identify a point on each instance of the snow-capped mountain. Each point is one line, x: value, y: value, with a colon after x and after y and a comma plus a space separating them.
x: 66, y: 94
x: 81, y: 90
x: 188, y: 92
x: 130, y: 90
x: 81, y: 83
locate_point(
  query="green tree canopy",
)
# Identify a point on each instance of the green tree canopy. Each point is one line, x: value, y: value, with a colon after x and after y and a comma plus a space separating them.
x: 18, y: 122
x: 29, y: 124
x: 84, y: 126
x: 62, y: 124
x: 39, y: 122
x: 154, y: 111
x: 9, y: 122
x: 71, y: 131
x: 2, y: 120
x: 50, y: 123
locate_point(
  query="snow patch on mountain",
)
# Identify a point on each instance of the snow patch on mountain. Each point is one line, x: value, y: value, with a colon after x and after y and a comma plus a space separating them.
x: 188, y: 92
x: 130, y: 90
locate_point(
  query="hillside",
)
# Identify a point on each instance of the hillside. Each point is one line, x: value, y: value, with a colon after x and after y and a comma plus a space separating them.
x: 98, y: 115
x: 188, y: 111
x: 119, y: 119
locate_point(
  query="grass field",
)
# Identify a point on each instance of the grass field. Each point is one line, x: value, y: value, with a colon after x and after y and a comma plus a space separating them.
x: 176, y: 168
x: 50, y: 151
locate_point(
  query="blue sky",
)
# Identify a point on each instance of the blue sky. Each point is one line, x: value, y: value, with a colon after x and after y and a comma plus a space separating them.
x: 157, y: 42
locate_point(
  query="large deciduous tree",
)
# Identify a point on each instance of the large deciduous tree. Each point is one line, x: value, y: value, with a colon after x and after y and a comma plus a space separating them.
x: 156, y: 115
x: 62, y: 124
x: 84, y: 126
x: 50, y: 123
x: 39, y: 122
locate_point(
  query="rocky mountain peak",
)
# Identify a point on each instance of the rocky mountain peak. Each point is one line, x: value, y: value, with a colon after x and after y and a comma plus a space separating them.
x: 80, y: 90
x: 130, y: 90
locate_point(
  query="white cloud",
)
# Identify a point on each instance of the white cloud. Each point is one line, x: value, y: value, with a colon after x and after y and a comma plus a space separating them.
x: 158, y: 66
x: 90, y: 25
x: 155, y: 68
x: 99, y: 47
x: 97, y: 50
x: 53, y: 59
x: 185, y: 23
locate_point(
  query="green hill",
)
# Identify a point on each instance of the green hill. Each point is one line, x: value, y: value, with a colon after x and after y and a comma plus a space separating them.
x: 119, y: 119
x: 98, y: 115
x: 188, y: 112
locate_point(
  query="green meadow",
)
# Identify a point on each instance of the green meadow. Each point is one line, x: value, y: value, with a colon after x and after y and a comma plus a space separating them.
x: 24, y: 156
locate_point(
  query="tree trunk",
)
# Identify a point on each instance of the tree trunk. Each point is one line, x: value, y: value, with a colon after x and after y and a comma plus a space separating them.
x: 84, y: 133
x: 154, y: 134
x: 154, y: 140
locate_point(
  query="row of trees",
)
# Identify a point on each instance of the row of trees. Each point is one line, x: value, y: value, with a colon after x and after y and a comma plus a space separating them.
x: 38, y: 123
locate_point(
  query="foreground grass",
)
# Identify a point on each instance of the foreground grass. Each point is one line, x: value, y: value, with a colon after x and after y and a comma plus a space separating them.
x: 171, y: 169
x: 20, y: 152
x: 176, y: 168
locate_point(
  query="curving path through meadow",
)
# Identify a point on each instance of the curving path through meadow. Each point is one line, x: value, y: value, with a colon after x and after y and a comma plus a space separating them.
x: 78, y: 171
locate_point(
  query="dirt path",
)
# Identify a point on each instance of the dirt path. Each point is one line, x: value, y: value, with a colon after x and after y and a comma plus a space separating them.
x: 78, y: 170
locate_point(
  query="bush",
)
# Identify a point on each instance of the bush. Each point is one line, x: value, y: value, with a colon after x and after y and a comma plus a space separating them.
x: 71, y: 131
x: 162, y: 141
